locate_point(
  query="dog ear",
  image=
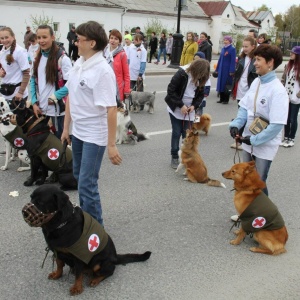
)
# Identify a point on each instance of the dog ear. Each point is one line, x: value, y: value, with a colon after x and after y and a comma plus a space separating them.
x: 61, y: 199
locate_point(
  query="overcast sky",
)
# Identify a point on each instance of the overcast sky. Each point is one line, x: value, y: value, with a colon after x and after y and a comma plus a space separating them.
x: 276, y: 6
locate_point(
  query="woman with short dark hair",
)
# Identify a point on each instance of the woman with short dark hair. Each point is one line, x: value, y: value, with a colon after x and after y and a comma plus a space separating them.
x: 92, y: 108
x: 268, y: 99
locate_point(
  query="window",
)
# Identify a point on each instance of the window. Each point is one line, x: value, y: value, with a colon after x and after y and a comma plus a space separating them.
x: 55, y: 26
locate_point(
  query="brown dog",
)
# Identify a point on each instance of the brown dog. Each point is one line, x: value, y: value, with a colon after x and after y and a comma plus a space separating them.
x: 257, y: 212
x: 203, y: 125
x: 190, y: 158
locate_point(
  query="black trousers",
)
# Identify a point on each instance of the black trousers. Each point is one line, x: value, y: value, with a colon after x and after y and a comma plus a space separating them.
x: 152, y: 51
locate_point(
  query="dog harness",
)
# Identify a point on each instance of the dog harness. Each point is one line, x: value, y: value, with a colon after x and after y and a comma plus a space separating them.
x: 50, y: 153
x: 91, y: 242
x: 16, y: 138
x: 262, y: 213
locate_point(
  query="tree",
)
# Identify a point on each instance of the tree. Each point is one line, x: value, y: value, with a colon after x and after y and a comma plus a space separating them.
x: 264, y: 7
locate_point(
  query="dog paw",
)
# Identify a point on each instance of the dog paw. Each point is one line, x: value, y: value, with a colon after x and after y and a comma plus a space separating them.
x: 40, y: 181
x: 236, y: 232
x: 54, y: 275
x: 3, y: 168
x: 235, y: 242
x: 28, y: 182
x: 21, y: 169
x: 76, y: 289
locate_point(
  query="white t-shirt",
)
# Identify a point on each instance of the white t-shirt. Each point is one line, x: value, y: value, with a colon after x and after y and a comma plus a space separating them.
x: 32, y: 54
x: 243, y: 82
x: 45, y: 90
x: 127, y: 48
x: 13, y: 71
x: 272, y: 103
x: 187, y: 99
x: 92, y: 88
x: 136, y: 56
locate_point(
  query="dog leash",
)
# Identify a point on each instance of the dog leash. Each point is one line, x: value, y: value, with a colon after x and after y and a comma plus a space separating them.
x: 236, y: 152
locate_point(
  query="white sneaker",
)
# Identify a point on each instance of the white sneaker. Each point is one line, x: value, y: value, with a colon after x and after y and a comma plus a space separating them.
x: 289, y: 143
x: 283, y: 142
x: 234, y: 218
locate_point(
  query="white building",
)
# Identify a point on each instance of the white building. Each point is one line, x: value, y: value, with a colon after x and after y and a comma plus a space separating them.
x: 212, y: 17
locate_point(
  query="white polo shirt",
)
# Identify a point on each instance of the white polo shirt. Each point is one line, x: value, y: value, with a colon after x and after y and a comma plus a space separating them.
x: 272, y: 103
x: 13, y: 71
x: 92, y: 88
x: 136, y: 56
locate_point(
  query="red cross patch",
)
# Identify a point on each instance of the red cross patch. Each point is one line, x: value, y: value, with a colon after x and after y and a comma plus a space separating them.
x: 53, y: 154
x: 93, y: 242
x: 259, y: 222
x: 19, y: 142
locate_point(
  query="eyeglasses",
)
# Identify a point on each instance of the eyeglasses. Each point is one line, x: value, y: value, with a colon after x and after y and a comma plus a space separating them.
x: 82, y: 40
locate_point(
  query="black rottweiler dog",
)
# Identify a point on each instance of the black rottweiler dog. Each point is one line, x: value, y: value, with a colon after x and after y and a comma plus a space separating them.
x: 75, y: 237
x: 44, y: 149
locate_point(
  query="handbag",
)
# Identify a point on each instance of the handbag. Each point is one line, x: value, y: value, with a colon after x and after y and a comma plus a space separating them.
x: 259, y: 123
x: 8, y: 89
x: 228, y: 88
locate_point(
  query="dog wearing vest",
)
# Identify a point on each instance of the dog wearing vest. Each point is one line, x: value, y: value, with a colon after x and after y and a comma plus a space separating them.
x: 126, y: 130
x: 141, y: 98
x: 258, y: 214
x: 45, y: 150
x: 195, y: 169
x: 14, y: 138
x: 75, y: 238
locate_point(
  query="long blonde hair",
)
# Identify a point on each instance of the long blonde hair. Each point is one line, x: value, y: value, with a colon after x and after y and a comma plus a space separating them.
x: 199, y: 70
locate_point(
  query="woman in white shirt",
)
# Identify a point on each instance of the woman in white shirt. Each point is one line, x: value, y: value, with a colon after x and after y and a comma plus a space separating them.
x: 14, y: 67
x: 92, y: 108
x: 266, y: 98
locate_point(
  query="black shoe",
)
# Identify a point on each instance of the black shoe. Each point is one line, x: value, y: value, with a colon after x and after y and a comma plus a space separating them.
x: 220, y: 101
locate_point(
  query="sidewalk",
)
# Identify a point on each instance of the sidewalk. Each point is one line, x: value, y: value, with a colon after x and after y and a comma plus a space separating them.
x: 160, y: 69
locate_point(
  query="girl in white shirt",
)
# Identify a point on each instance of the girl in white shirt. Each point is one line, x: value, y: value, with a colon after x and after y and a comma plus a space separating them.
x: 14, y: 67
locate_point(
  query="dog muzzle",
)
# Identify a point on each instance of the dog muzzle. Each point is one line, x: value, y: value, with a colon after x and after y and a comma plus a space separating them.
x: 34, y: 217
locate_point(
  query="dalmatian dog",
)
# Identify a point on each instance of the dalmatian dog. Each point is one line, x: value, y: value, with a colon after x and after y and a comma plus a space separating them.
x: 13, y: 137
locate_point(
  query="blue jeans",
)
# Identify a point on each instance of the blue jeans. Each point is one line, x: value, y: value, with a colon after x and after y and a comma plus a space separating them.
x: 179, y: 128
x: 87, y: 158
x: 291, y: 126
x: 164, y: 51
x: 262, y: 167
x: 60, y: 125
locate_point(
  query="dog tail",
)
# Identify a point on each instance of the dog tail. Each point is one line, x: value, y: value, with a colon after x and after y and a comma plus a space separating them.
x: 123, y: 259
x: 206, y: 116
x: 213, y: 182
x: 142, y: 137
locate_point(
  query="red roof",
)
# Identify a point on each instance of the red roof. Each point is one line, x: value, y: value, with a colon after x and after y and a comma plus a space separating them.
x: 213, y: 8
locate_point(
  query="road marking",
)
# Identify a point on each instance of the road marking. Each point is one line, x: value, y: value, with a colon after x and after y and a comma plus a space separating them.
x: 170, y: 130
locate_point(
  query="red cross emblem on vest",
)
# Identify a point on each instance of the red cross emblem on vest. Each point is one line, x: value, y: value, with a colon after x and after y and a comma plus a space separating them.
x: 93, y: 242
x: 259, y: 222
x: 53, y: 154
x: 19, y: 142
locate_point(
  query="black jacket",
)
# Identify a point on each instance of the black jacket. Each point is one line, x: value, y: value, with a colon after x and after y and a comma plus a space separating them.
x: 240, y: 68
x: 153, y: 43
x: 176, y: 90
x: 205, y: 47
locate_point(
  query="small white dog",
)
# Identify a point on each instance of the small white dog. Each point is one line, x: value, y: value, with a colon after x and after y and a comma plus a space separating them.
x: 126, y: 131
x: 142, y: 98
x: 15, y: 136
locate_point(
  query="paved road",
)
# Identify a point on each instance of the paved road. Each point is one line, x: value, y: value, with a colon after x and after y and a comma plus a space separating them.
x: 149, y: 207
